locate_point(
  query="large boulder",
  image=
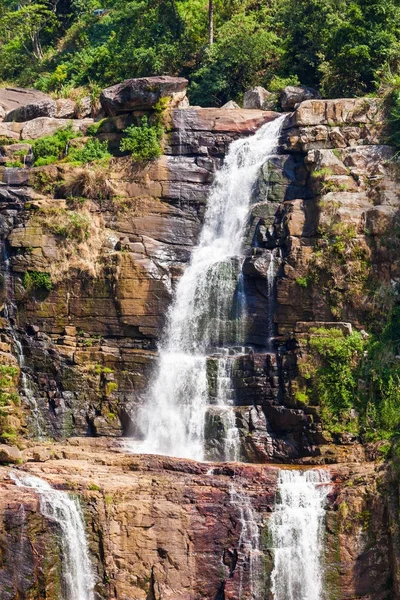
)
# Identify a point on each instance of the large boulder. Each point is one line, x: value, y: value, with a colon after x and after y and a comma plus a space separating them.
x: 44, y: 126
x: 142, y: 94
x: 66, y: 108
x: 293, y: 94
x: 258, y: 98
x: 23, y: 105
x: 10, y: 454
x: 12, y: 98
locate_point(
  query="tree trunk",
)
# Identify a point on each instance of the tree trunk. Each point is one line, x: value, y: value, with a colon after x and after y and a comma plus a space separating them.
x: 211, y: 22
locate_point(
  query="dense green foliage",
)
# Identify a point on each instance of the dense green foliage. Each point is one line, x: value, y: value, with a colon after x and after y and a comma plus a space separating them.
x: 49, y: 149
x: 355, y: 381
x: 344, y: 47
x: 91, y: 151
x: 37, y: 280
x: 143, y: 142
x: 52, y: 148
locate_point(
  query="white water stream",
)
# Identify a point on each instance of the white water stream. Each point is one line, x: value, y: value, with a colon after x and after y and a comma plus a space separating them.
x: 58, y: 506
x: 203, y: 313
x: 296, y: 527
x: 249, y: 545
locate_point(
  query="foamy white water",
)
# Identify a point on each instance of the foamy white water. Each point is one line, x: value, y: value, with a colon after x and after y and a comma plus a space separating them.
x: 58, y: 506
x: 202, y: 314
x: 249, y: 545
x: 297, y: 532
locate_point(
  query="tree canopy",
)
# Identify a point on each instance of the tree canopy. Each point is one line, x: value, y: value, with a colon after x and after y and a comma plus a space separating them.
x: 343, y: 47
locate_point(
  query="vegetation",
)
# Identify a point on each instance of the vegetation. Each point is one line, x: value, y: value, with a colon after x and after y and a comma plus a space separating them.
x: 8, y: 377
x: 143, y: 142
x: 355, y: 381
x: 51, y: 148
x: 92, y: 151
x: 37, y: 280
x: 344, y: 48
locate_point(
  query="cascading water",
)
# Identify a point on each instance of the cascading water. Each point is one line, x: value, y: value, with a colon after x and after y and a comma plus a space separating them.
x: 59, y: 507
x: 249, y: 545
x: 37, y: 422
x: 271, y: 292
x: 204, y: 312
x: 296, y: 528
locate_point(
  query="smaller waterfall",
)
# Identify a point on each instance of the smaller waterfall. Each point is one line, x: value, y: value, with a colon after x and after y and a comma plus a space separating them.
x: 38, y: 425
x: 249, y: 546
x: 271, y: 273
x: 225, y: 404
x: 59, y: 507
x: 297, y: 535
x: 37, y: 419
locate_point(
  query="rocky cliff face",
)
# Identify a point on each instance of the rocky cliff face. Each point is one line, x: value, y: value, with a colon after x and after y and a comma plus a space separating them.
x: 168, y: 528
x: 113, y: 242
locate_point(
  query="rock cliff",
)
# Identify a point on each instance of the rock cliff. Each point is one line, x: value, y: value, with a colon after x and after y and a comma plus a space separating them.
x: 111, y: 243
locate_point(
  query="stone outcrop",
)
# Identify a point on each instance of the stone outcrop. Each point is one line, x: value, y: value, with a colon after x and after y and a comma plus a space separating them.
x: 142, y: 94
x: 258, y: 98
x: 13, y: 100
x: 292, y: 95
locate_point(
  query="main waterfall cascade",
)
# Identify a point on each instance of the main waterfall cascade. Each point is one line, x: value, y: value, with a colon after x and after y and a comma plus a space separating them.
x: 59, y: 507
x: 296, y: 527
x: 205, y: 318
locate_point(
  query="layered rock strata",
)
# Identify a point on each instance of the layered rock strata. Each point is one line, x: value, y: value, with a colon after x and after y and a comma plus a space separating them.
x: 167, y: 528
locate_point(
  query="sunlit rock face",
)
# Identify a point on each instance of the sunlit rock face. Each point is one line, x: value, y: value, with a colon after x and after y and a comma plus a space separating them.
x: 82, y: 352
x: 171, y: 525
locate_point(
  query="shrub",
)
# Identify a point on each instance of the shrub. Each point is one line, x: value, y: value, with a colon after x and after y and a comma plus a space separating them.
x: 8, y: 378
x: 92, y: 151
x: 302, y: 281
x: 37, y: 280
x: 49, y: 149
x: 143, y: 142
x: 14, y: 164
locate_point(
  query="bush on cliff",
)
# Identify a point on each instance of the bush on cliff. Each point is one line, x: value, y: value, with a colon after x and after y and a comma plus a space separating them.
x: 37, y: 280
x: 143, y: 142
x: 92, y: 151
x: 355, y: 381
x: 51, y: 148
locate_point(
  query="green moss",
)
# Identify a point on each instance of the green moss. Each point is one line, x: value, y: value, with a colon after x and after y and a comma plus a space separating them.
x: 14, y: 164
x: 303, y: 281
x: 111, y: 387
x: 94, y: 488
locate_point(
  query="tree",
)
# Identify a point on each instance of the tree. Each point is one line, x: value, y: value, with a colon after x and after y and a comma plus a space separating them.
x: 28, y: 25
x: 211, y: 22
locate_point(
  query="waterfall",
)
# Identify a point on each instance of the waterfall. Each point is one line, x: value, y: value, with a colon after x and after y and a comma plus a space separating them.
x: 9, y: 313
x: 59, y: 507
x: 271, y: 294
x: 203, y: 314
x: 297, y: 535
x: 249, y: 546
